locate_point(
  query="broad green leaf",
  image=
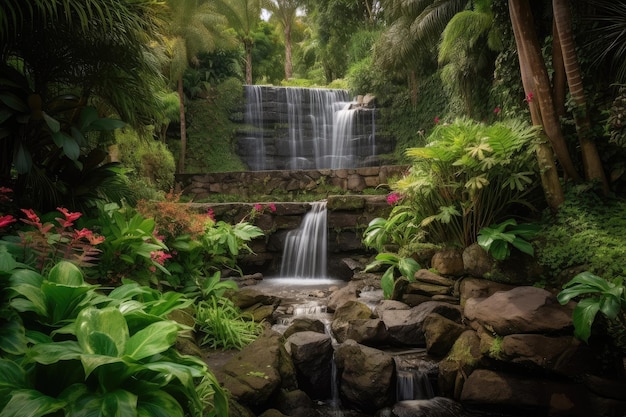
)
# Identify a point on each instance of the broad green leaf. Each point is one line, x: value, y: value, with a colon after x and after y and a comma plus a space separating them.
x: 158, y: 404
x: 85, y: 403
x: 33, y: 300
x: 583, y: 317
x: 387, y: 282
x: 13, y: 336
x: 52, y: 123
x: 53, y: 352
x: 12, y: 377
x: 13, y: 101
x: 87, y: 116
x: 7, y: 261
x: 173, y: 370
x: 71, y: 148
x: 523, y: 246
x: 30, y: 403
x: 78, y: 136
x: 23, y: 160
x: 499, y: 250
x: 91, y: 362
x: 108, y: 321
x: 408, y: 267
x: 156, y: 338
x: 65, y: 272
x: 610, y: 306
x: 64, y: 302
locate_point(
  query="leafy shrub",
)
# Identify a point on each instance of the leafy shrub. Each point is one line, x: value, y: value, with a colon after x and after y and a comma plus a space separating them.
x: 469, y: 176
x: 586, y: 231
x: 406, y: 267
x: 497, y: 239
x: 96, y: 354
x: 149, y: 161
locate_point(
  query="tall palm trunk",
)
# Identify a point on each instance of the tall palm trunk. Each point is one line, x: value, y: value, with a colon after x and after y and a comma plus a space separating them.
x: 288, y: 61
x: 545, y: 156
x: 183, y: 127
x: 248, y: 47
x: 591, y: 159
x: 526, y: 39
x: 559, y: 82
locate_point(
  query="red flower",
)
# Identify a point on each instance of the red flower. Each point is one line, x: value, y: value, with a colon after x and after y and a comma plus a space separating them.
x: 33, y: 219
x: 529, y: 97
x: 70, y: 218
x: 6, y: 220
x: 211, y: 214
x: 497, y: 110
x: 82, y: 233
x: 159, y: 256
x: 272, y: 207
x: 258, y: 207
x: 436, y: 120
x: 5, y: 190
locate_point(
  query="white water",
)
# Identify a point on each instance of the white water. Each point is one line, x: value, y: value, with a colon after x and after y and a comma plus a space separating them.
x: 305, y: 251
x: 412, y: 382
x: 322, y: 133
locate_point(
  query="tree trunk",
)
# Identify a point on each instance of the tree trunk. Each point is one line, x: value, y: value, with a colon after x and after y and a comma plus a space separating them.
x: 288, y: 64
x: 526, y: 39
x: 413, y: 87
x: 550, y: 183
x: 183, y: 127
x: 591, y: 159
x: 248, y: 47
x: 559, y: 81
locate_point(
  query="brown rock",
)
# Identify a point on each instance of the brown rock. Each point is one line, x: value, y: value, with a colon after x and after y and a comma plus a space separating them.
x: 424, y: 275
x: 480, y: 288
x: 440, y: 333
x: 448, y: 262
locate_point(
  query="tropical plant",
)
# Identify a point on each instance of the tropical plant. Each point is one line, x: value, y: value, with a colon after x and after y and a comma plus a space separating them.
x: 131, y: 248
x: 468, y: 176
x: 406, y: 267
x: 224, y: 326
x: 284, y: 11
x: 400, y: 228
x: 194, y: 27
x: 599, y: 295
x: 497, y: 239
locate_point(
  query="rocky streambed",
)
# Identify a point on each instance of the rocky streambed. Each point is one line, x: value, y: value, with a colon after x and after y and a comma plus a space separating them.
x: 490, y: 349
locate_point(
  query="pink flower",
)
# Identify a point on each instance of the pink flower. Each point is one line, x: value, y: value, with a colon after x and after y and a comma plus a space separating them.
x: 393, y: 198
x: 82, y: 233
x: 272, y: 207
x: 258, y: 207
x: 211, y: 214
x: 497, y: 110
x: 6, y: 220
x: 3, y: 197
x: 159, y: 256
x: 70, y: 218
x: 529, y: 97
x: 436, y: 120
x: 152, y: 268
x: 5, y: 190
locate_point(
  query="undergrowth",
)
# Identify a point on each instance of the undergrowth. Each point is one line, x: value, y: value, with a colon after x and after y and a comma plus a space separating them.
x: 586, y: 231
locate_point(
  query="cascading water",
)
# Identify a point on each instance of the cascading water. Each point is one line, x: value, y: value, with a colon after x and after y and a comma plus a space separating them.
x: 304, y: 255
x: 254, y: 117
x: 305, y: 128
x: 412, y: 381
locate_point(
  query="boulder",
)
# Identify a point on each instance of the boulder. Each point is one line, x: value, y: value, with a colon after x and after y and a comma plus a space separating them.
x: 256, y: 373
x: 248, y: 297
x: 520, y: 310
x: 294, y: 403
x: 440, y: 333
x: 370, y: 332
x: 350, y: 292
x: 480, y: 288
x: 448, y: 262
x: 476, y: 261
x: 303, y: 324
x: 488, y: 389
x: 311, y: 354
x: 464, y: 356
x: 350, y: 310
x: 366, y: 375
x: 424, y: 275
x: 405, y: 327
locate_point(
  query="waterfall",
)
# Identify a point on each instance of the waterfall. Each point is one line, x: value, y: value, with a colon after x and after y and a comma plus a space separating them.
x: 412, y: 382
x: 254, y: 117
x: 304, y: 255
x: 305, y: 128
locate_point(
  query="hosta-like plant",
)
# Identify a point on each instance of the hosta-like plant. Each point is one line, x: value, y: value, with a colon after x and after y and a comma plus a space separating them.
x: 468, y: 177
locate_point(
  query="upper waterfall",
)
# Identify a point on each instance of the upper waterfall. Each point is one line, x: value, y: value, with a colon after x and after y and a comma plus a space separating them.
x: 306, y: 128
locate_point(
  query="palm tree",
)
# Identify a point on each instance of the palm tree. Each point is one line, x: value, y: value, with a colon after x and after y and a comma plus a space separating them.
x: 466, y: 49
x: 194, y: 26
x: 285, y: 12
x: 64, y: 59
x: 243, y: 16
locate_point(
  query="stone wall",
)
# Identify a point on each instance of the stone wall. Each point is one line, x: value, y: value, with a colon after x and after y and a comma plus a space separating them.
x: 250, y: 183
x: 348, y: 217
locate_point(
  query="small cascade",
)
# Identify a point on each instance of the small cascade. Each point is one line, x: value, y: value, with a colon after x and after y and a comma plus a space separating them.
x: 304, y: 255
x: 335, y: 401
x: 412, y: 381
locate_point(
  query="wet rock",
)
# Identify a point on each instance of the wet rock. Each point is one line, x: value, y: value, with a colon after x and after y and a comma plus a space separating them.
x: 476, y: 261
x: 424, y: 275
x: 370, y: 332
x: 366, y: 375
x: 348, y: 311
x: 434, y: 407
x: 247, y: 297
x: 303, y: 324
x: 294, y: 403
x: 312, y: 353
x: 255, y: 374
x: 520, y: 310
x: 464, y: 356
x: 480, y: 288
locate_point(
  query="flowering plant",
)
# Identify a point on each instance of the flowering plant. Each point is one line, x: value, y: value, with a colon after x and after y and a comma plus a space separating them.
x: 42, y: 244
